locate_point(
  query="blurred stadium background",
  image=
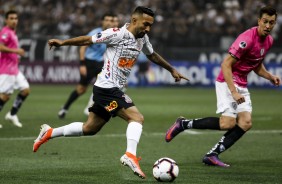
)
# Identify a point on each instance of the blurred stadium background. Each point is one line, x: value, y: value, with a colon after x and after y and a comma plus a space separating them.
x: 193, y: 35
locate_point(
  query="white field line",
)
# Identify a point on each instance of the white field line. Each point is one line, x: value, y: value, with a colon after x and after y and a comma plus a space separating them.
x: 156, y: 134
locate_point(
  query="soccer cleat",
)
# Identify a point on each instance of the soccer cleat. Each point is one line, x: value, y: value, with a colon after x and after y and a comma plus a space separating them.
x: 14, y: 119
x: 131, y: 161
x: 62, y: 113
x: 44, y: 136
x: 174, y: 130
x: 214, y: 161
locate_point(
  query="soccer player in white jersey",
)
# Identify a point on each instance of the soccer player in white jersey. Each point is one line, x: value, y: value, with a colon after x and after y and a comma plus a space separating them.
x: 123, y: 47
x: 246, y: 54
x: 11, y: 77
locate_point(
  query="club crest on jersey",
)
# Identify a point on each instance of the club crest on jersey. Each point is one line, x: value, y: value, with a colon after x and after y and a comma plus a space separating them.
x: 127, y: 98
x: 261, y: 52
x: 242, y: 44
x: 112, y: 106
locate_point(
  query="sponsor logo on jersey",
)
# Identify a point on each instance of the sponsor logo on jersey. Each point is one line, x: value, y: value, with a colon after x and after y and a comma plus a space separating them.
x: 126, y: 62
x: 243, y: 44
x: 112, y: 106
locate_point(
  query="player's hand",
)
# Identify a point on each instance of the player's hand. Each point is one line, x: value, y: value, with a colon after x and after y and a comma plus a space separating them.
x: 20, y: 52
x: 275, y: 80
x: 177, y: 76
x: 238, y: 97
x: 83, y: 70
x: 54, y: 43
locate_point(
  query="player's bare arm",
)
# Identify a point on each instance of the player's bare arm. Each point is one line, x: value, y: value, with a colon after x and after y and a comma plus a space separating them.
x: 159, y: 60
x: 261, y: 71
x: 18, y: 51
x: 226, y: 67
x: 82, y: 68
x: 77, y: 41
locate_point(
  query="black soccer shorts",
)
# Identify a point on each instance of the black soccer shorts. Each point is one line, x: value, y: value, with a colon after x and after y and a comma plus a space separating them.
x: 108, y: 101
x: 93, y: 68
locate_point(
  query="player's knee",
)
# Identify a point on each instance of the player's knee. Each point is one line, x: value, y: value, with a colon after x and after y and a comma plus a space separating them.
x: 25, y: 92
x: 227, y: 123
x: 139, y: 118
x: 90, y: 131
x: 246, y: 124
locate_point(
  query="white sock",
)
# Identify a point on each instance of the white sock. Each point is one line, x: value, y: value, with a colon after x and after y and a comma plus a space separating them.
x: 90, y: 102
x: 73, y: 129
x: 133, y: 134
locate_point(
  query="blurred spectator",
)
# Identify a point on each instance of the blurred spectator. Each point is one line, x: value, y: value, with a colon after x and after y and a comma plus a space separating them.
x: 194, y: 23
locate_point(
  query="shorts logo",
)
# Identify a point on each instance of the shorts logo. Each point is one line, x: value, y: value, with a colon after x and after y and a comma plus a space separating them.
x: 127, y: 98
x: 234, y: 105
x: 242, y: 44
x: 113, y: 105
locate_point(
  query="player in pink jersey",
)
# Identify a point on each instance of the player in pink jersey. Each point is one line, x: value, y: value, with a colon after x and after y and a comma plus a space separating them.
x: 10, y: 76
x: 233, y: 98
x: 123, y: 47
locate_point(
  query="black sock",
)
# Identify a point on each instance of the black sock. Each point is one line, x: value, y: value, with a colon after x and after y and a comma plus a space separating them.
x: 204, y: 123
x: 227, y: 140
x: 17, y: 104
x: 2, y: 103
x: 73, y: 96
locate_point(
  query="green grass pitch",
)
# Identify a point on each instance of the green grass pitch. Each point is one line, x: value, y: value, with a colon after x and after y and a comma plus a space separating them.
x: 255, y: 158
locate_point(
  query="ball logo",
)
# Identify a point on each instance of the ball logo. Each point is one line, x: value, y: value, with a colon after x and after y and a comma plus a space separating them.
x: 99, y: 35
x: 243, y: 44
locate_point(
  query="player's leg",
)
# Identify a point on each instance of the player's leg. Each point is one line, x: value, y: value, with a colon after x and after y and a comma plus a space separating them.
x: 239, y: 114
x: 92, y: 126
x: 95, y: 68
x: 89, y: 104
x: 7, y: 87
x: 133, y: 133
x: 23, y: 85
x: 79, y: 90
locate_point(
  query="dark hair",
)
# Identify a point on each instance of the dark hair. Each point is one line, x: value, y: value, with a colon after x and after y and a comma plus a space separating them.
x: 10, y: 12
x: 108, y: 14
x: 269, y: 10
x: 142, y: 9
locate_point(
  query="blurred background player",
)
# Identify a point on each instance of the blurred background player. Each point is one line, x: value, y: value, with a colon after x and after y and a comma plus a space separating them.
x: 10, y: 76
x: 246, y: 54
x: 123, y: 47
x: 115, y: 23
x: 91, y: 63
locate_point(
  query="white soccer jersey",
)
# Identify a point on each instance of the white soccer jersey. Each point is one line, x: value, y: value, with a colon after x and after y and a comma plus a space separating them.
x: 121, y: 53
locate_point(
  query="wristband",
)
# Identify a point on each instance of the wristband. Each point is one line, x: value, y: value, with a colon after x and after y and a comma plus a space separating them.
x: 82, y: 63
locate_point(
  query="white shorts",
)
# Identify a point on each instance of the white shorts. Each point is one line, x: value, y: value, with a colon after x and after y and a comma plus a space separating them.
x: 9, y: 83
x: 226, y: 105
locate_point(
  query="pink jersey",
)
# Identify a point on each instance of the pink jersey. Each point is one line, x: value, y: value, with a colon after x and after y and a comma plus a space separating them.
x: 9, y: 61
x: 249, y: 49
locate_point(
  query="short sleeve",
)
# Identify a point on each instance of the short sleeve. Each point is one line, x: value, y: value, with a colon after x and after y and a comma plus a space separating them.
x: 108, y: 36
x: 241, y: 45
x: 4, y: 38
x: 147, y: 47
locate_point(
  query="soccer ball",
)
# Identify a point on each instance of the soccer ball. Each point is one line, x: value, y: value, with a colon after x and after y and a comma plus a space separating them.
x: 165, y: 169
